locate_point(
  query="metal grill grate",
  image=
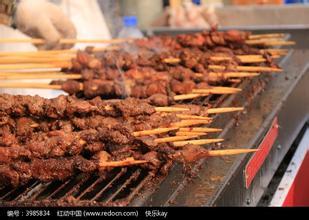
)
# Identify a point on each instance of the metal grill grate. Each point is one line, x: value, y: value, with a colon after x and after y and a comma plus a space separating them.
x: 119, y: 185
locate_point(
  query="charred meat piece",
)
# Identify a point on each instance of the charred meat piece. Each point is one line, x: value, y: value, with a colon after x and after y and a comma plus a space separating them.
x: 69, y: 107
x: 190, y: 154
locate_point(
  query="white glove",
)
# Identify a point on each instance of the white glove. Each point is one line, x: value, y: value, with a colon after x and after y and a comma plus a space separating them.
x: 42, y: 19
x: 210, y: 16
x: 177, y: 17
x: 191, y: 16
x: 194, y: 15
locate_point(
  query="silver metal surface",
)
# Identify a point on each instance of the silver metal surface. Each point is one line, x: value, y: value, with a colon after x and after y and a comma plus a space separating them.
x: 291, y: 171
x: 220, y: 181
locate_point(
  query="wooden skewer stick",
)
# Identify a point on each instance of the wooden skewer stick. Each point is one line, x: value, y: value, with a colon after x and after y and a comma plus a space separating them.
x: 26, y: 60
x: 224, y: 110
x: 63, y: 41
x: 278, y: 42
x: 213, y: 111
x: 208, y: 130
x: 234, y: 80
x: 263, y: 40
x: 60, y: 75
x: 273, y: 35
x: 217, y: 90
x: 220, y: 88
x: 276, y: 56
x: 190, y: 133
x: 201, y: 94
x: 36, y: 66
x: 11, y: 73
x: 171, y: 60
x: 186, y: 123
x: 275, y: 51
x: 188, y: 96
x: 196, y: 142
x: 32, y: 71
x: 252, y: 57
x: 34, y: 125
x: 258, y: 69
x: 38, y: 76
x: 206, y: 92
x: 30, y: 85
x: 126, y: 162
x: 248, y: 68
x: 39, y: 53
x: 243, y: 60
x: 218, y: 59
x: 174, y: 138
x: 240, y: 74
x: 153, y: 131
x: 171, y: 109
x: 259, y: 60
x: 249, y: 56
x: 46, y: 53
x: 213, y: 76
x: 184, y: 116
x: 211, y: 153
x: 215, y: 153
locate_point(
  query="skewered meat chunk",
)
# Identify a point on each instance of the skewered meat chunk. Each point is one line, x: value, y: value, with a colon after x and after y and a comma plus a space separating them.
x: 182, y: 87
x: 8, y: 176
x: 95, y: 88
x: 24, y: 126
x: 7, y: 138
x: 190, y: 154
x: 88, y: 74
x: 71, y: 86
x: 46, y: 170
x: 59, y: 143
x: 159, y: 100
x: 68, y: 107
x: 8, y: 154
x: 116, y: 135
x: 133, y: 107
x: 50, y: 169
x: 154, y: 162
x: 42, y: 145
x: 84, y: 125
x: 20, y: 172
x: 96, y: 133
x: 18, y: 105
x: 119, y: 74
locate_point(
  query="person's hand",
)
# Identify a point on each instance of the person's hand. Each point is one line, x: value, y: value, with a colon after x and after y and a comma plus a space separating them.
x: 177, y: 17
x: 210, y: 16
x: 42, y: 19
x: 194, y: 15
x: 189, y: 15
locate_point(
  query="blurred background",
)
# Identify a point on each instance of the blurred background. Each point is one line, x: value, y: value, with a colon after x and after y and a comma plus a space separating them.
x: 152, y: 14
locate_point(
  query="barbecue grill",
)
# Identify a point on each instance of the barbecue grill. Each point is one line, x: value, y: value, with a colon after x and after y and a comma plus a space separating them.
x: 215, y: 182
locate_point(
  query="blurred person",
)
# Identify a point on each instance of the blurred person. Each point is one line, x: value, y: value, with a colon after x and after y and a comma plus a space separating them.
x: 50, y: 20
x: 190, y: 15
x: 53, y: 20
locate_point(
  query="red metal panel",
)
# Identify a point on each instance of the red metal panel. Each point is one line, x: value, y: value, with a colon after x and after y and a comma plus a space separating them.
x: 298, y: 194
x: 259, y: 157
